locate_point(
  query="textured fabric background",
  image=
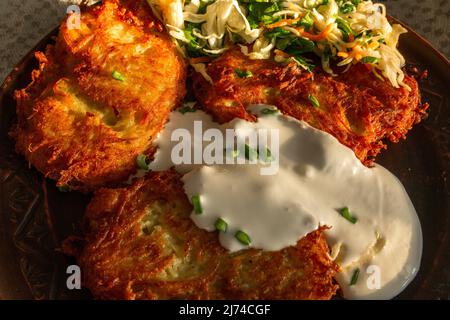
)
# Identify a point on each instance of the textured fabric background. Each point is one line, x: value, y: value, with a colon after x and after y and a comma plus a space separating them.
x: 24, y: 22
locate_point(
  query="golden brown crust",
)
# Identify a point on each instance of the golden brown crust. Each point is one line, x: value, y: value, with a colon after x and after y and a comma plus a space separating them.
x: 79, y: 125
x: 357, y: 108
x: 142, y: 244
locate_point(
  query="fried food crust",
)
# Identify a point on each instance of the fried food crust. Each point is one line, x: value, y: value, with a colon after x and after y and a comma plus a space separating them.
x: 142, y: 244
x: 356, y: 107
x: 79, y: 125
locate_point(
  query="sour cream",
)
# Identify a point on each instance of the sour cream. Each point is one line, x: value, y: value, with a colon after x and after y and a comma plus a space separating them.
x: 316, y: 177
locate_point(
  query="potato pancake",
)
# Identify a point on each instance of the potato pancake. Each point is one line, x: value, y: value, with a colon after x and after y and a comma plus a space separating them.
x: 142, y: 244
x: 100, y: 96
x: 357, y: 108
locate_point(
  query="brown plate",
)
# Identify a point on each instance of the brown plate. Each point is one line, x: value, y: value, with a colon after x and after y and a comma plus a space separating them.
x: 35, y: 217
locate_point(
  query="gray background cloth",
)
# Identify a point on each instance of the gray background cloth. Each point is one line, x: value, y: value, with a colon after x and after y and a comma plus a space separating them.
x: 24, y: 22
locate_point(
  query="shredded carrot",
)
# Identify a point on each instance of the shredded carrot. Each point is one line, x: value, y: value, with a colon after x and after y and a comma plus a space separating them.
x: 200, y: 60
x: 282, y: 23
x: 342, y: 54
x: 316, y: 37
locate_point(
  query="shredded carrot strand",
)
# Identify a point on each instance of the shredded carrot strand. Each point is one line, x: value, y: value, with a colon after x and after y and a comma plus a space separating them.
x: 316, y: 37
x: 282, y: 23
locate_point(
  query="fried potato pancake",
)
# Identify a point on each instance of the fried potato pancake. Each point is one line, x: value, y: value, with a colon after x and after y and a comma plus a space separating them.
x: 100, y: 96
x: 142, y: 244
x: 356, y: 107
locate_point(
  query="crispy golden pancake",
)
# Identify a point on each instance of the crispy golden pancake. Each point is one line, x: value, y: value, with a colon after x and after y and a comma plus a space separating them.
x: 100, y: 96
x: 357, y: 108
x: 142, y: 244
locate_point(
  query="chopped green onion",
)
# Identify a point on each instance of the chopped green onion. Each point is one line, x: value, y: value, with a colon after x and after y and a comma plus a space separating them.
x: 250, y: 153
x: 185, y: 109
x: 345, y: 28
x: 269, y: 111
x: 141, y: 161
x: 306, y: 21
x: 221, y: 225
x: 354, y: 277
x: 118, y: 76
x: 345, y: 213
x: 369, y: 60
x: 314, y: 101
x: 266, y: 156
x: 356, y: 2
x: 64, y: 188
x: 235, y: 153
x: 242, y: 237
x: 277, y: 33
x: 243, y: 73
x: 197, y: 205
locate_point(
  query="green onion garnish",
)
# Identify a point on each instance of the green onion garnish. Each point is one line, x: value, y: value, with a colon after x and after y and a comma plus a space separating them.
x: 197, y: 205
x: 235, y: 153
x: 221, y: 225
x: 118, y: 76
x: 242, y: 237
x: 354, y: 277
x: 307, y: 21
x: 243, y: 73
x: 345, y: 213
x: 369, y: 60
x: 266, y: 155
x: 185, y: 109
x: 269, y: 111
x: 64, y: 188
x: 141, y: 161
x: 314, y: 101
x: 250, y: 153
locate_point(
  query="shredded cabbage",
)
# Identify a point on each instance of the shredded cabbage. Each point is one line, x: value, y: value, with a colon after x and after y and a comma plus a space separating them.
x: 343, y: 31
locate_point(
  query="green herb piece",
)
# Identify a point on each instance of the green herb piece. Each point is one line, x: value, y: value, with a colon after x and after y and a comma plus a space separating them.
x: 221, y: 225
x: 355, y: 276
x: 196, y: 204
x: 250, y: 153
x: 345, y: 213
x: 277, y: 33
x: 369, y: 60
x: 186, y: 109
x: 118, y: 76
x: 306, y: 21
x: 242, y: 237
x: 268, y: 111
x: 265, y: 155
x: 243, y: 73
x: 314, y: 101
x: 141, y: 161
